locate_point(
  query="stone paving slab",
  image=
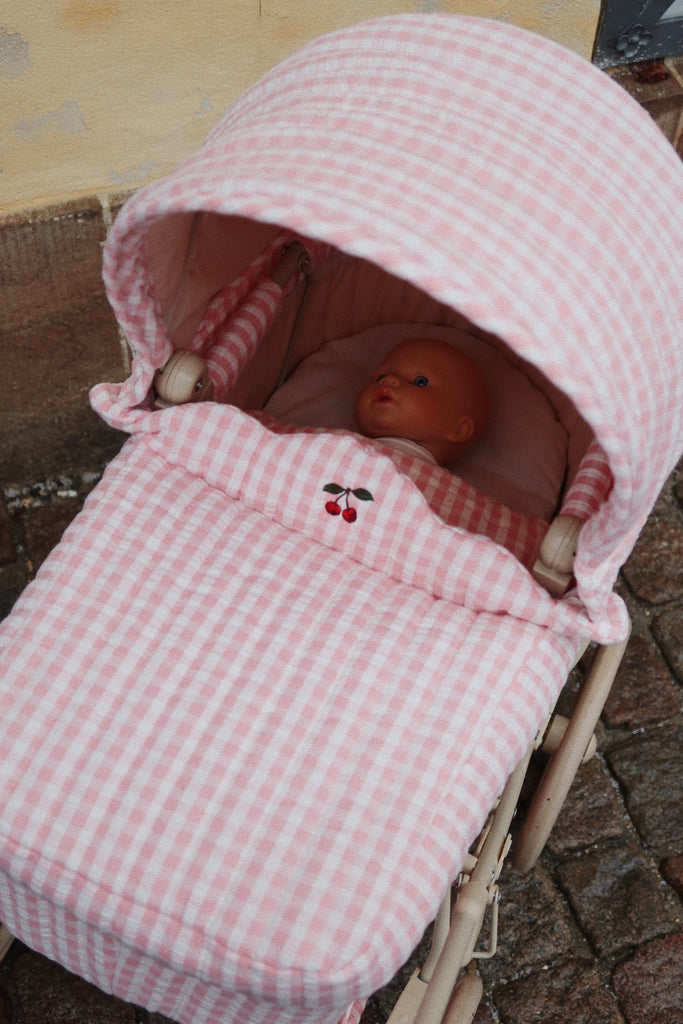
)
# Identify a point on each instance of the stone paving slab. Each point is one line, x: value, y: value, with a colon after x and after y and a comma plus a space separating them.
x: 648, y: 983
x: 618, y: 898
x: 671, y: 870
x: 592, y: 812
x: 650, y: 770
x: 644, y: 692
x: 572, y: 992
x: 668, y: 630
x: 655, y: 569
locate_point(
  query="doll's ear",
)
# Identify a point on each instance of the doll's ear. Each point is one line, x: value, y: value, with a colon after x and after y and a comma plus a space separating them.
x: 462, y: 430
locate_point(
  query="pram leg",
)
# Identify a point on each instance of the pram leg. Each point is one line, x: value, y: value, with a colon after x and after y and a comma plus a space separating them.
x: 563, y: 765
x: 465, y: 1000
x: 432, y: 995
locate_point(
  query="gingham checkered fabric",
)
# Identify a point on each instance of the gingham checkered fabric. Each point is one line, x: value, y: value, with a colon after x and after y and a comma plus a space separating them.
x: 591, y: 486
x: 248, y: 740
x: 500, y: 173
x: 247, y: 743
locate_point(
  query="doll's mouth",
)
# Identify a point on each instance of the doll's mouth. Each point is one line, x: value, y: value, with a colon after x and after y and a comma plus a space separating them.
x: 384, y: 395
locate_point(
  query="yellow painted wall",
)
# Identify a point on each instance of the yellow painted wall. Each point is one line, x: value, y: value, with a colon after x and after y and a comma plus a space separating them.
x: 99, y: 96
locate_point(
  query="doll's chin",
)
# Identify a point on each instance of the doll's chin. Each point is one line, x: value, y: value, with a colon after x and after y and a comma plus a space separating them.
x: 379, y: 426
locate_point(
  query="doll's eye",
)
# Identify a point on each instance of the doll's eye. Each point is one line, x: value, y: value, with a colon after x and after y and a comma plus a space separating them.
x: 381, y: 377
x: 421, y: 382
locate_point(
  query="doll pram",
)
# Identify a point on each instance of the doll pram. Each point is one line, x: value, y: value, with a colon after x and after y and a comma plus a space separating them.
x: 248, y: 745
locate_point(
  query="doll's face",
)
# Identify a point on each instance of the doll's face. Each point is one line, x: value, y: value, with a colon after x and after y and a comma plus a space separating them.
x: 426, y: 391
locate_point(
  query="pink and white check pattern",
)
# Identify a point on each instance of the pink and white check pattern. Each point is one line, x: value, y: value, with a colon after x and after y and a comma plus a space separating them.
x: 247, y: 744
x: 504, y: 176
x: 242, y: 729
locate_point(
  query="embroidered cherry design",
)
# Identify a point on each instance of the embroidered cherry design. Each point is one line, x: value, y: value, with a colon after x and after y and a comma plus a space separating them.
x: 349, y: 513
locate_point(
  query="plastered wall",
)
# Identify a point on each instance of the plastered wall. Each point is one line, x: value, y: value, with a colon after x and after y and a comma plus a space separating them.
x: 99, y: 96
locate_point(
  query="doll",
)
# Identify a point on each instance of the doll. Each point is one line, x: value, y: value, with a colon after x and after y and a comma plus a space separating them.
x: 428, y: 394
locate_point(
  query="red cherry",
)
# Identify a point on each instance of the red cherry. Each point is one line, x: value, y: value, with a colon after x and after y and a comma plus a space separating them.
x: 349, y: 514
x: 333, y: 508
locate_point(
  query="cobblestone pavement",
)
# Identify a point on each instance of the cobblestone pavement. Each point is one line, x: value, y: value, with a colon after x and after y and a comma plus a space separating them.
x: 593, y: 934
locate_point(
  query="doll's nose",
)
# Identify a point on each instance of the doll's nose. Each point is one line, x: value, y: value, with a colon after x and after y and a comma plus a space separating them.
x: 392, y: 379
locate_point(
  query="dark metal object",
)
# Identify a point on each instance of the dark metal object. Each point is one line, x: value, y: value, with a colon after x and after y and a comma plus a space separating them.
x: 636, y: 30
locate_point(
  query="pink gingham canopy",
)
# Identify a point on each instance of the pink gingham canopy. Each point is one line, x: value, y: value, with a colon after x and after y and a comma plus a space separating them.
x: 497, y: 171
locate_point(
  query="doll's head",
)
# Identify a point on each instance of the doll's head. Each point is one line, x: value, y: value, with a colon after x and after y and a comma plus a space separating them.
x: 427, y: 391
